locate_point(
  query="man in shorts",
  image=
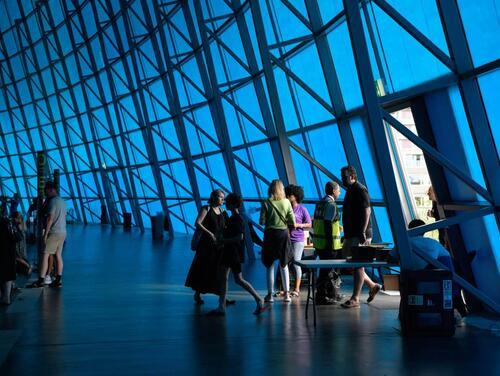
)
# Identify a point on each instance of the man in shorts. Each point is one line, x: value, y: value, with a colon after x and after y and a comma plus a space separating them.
x: 54, y: 235
x: 357, y: 231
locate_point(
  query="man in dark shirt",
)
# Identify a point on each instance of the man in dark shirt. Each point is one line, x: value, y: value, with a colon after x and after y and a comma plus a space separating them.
x: 357, y: 231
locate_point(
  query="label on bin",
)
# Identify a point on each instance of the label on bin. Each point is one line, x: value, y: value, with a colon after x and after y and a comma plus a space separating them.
x: 415, y: 300
x: 447, y: 294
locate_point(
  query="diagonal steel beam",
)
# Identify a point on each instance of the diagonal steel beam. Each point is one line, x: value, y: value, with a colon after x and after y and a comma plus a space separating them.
x: 450, y: 221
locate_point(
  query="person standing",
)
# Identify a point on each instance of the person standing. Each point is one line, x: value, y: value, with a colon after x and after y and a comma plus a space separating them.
x: 233, y: 255
x: 295, y: 195
x: 434, y: 213
x: 202, y: 276
x: 54, y: 235
x: 357, y: 231
x: 14, y: 203
x: 276, y: 215
x: 8, y: 239
x: 327, y: 242
x: 22, y: 264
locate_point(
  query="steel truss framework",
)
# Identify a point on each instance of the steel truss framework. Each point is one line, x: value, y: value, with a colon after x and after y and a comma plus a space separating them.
x: 148, y: 105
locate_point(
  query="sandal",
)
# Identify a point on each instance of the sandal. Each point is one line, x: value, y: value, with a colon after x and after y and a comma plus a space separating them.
x: 295, y: 294
x: 350, y: 304
x: 373, y: 291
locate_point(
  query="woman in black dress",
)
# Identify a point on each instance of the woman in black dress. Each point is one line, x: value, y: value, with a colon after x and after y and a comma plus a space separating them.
x: 233, y: 255
x: 203, y: 276
x: 8, y: 239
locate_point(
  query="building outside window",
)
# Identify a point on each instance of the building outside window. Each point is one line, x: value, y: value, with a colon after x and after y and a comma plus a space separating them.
x: 416, y: 176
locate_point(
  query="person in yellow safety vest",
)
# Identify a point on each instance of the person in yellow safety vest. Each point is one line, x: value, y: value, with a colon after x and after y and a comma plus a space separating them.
x: 327, y: 242
x: 327, y: 231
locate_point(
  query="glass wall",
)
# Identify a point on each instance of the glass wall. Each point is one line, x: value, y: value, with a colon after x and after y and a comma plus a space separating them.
x: 147, y: 106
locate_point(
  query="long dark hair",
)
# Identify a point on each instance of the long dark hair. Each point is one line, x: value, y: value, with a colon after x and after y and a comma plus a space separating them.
x: 295, y: 190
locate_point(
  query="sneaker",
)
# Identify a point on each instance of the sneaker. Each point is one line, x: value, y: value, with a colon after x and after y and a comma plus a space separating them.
x: 287, y: 298
x: 47, y: 280
x: 269, y: 298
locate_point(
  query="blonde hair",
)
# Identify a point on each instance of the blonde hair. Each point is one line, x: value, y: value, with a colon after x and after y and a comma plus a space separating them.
x: 276, y: 190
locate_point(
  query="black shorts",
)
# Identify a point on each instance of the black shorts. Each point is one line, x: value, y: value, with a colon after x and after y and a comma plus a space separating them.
x: 277, y: 246
x: 235, y: 267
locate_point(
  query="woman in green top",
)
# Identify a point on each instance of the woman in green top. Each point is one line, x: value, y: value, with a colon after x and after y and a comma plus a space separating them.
x: 276, y: 215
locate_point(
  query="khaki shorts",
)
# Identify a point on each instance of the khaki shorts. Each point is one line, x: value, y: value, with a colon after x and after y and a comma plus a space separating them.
x: 349, y: 243
x: 54, y: 244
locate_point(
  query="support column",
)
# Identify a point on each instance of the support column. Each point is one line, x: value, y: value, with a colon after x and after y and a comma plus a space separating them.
x: 377, y: 131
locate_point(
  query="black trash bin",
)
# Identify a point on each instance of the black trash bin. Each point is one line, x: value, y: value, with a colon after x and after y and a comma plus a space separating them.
x: 157, y: 226
x: 127, y: 221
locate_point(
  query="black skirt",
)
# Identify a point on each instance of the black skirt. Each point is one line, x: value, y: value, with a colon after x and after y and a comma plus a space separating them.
x: 7, y: 264
x: 277, y: 246
x: 204, y: 273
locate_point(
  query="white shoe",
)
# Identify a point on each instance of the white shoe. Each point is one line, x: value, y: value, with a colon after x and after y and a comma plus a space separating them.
x: 287, y: 298
x: 47, y: 280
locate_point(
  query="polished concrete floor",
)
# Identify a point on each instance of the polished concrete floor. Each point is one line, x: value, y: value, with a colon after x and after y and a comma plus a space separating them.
x: 124, y: 309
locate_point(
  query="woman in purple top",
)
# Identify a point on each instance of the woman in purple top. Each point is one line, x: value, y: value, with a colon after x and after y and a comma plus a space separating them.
x: 295, y: 195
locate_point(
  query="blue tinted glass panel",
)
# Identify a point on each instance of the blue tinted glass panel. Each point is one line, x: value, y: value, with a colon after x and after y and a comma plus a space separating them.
x: 366, y: 157
x: 481, y: 19
x: 489, y: 84
x: 409, y: 63
x: 466, y: 136
x: 343, y: 58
